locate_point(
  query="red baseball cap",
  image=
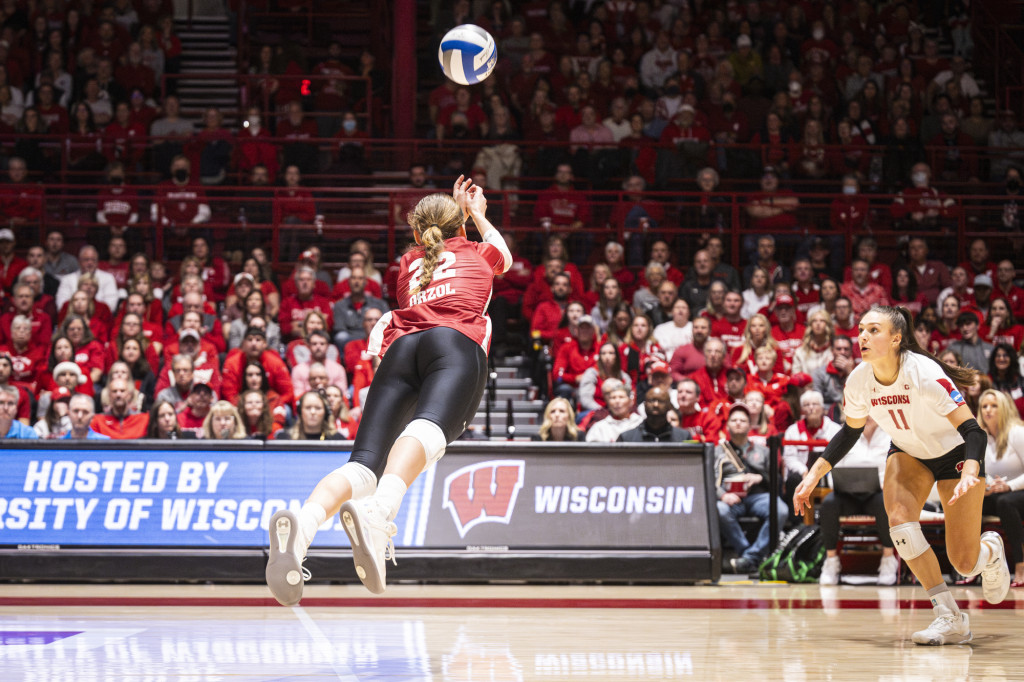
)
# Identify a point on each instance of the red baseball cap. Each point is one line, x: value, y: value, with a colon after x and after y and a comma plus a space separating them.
x: 659, y: 367
x: 783, y: 299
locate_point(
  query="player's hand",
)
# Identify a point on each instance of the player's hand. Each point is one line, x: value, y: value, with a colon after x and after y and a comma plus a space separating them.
x: 802, y: 496
x: 460, y: 192
x: 476, y: 202
x: 967, y: 481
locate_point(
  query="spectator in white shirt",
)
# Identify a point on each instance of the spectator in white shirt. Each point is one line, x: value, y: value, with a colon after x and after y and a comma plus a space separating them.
x: 676, y: 332
x: 621, y: 419
x: 88, y: 262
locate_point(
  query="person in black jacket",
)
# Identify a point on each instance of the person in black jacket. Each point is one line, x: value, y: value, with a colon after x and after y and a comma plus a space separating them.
x: 655, y: 429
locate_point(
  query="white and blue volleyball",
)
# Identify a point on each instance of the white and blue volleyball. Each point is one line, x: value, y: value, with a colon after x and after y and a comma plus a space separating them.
x: 467, y: 54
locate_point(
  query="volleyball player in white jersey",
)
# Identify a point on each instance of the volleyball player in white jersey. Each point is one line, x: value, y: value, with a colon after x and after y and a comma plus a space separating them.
x: 917, y: 401
x: 432, y: 374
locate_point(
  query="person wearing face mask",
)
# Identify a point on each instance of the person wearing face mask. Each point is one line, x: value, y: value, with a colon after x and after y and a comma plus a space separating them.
x: 921, y: 206
x: 464, y: 118
x: 671, y: 100
x: 179, y: 205
x: 819, y: 47
x: 350, y: 150
x: 850, y: 212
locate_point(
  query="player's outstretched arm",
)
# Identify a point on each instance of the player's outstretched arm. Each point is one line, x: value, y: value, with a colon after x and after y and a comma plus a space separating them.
x: 834, y: 451
x: 802, y: 495
x: 473, y: 203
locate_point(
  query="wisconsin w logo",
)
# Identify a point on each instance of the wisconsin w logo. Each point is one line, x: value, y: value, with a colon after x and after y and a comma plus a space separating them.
x: 483, y: 492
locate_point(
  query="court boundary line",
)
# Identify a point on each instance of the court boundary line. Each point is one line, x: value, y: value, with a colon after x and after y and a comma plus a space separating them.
x: 751, y: 604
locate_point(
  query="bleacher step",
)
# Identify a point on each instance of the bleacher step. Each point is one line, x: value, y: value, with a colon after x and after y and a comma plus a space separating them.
x: 534, y: 406
x: 512, y: 382
x: 499, y: 419
x: 506, y: 372
x: 510, y: 393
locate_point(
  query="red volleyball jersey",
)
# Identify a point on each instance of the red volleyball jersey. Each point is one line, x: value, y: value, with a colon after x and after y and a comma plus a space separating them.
x: 457, y: 296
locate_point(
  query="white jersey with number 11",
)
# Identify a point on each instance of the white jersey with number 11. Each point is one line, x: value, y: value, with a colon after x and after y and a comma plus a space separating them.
x: 912, y: 410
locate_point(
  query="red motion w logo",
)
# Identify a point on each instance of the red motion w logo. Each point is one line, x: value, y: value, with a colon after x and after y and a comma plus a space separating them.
x: 483, y: 492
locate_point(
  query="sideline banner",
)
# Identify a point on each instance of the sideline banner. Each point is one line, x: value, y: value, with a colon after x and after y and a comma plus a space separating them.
x: 480, y: 496
x: 124, y: 497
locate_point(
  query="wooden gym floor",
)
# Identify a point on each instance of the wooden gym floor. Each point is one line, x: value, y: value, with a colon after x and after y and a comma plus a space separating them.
x: 733, y: 631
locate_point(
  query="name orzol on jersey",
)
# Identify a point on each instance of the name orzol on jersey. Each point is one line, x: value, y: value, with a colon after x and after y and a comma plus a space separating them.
x: 432, y: 294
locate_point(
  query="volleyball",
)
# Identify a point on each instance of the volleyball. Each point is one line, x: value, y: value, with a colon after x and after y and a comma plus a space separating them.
x: 467, y: 54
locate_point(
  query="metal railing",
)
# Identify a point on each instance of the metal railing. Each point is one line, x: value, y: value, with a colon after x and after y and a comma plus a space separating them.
x: 336, y: 214
x: 382, y: 156
x: 251, y: 93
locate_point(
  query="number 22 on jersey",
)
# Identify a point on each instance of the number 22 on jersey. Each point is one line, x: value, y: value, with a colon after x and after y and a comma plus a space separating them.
x: 444, y: 270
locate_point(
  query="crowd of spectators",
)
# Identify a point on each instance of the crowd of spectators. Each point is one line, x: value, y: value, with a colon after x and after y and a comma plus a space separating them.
x: 663, y: 89
x: 734, y: 360
x: 227, y: 355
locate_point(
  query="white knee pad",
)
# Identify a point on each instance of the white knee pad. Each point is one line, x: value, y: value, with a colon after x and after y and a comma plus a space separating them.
x: 430, y: 436
x: 908, y: 540
x: 362, y: 480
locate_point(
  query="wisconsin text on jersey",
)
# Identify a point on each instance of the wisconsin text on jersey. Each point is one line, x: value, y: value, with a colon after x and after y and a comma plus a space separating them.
x: 434, y: 293
x: 891, y: 400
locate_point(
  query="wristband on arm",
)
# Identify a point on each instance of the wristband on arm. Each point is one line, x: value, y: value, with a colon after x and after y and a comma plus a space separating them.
x: 975, y: 439
x: 841, y: 444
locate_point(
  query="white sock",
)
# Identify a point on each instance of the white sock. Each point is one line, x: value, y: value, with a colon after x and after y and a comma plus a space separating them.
x: 390, y: 491
x: 942, y: 600
x: 311, y: 517
x: 984, y: 556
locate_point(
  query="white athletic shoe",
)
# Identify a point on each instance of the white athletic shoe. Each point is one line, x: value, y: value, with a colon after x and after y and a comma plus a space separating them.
x: 830, y: 571
x: 995, y: 577
x: 888, y: 570
x: 948, y: 628
x: 370, y: 534
x: 285, y: 572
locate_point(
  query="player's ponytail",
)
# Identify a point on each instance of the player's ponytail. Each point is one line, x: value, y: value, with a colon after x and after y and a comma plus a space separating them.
x: 436, y: 217
x: 902, y: 324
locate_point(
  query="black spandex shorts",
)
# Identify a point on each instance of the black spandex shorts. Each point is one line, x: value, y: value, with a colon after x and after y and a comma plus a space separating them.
x: 438, y: 375
x: 946, y: 467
